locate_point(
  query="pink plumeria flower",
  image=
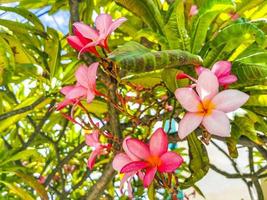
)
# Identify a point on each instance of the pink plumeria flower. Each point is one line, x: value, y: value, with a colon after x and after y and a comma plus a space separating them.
x: 207, y: 106
x: 193, y: 10
x: 86, y: 38
x: 120, y: 161
x: 92, y: 140
x: 85, y: 87
x: 221, y: 69
x: 152, y: 157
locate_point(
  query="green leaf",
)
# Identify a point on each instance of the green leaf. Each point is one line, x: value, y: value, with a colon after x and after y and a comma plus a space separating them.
x: 147, y: 79
x: 21, y: 28
x: 250, y: 73
x: 22, y: 155
x: 199, y: 161
x: 175, y: 30
x: 257, y: 103
x: 230, y: 38
x: 97, y: 107
x: 147, y: 10
x: 31, y: 181
x: 169, y: 78
x: 18, y: 191
x: 53, y: 48
x: 248, y: 124
x: 151, y: 192
x: 133, y: 57
x: 7, y: 60
x: 26, y: 14
x: 10, y: 121
x: 207, y: 13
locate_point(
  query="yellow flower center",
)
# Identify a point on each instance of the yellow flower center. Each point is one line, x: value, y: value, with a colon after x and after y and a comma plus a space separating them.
x: 205, y: 107
x: 154, y: 161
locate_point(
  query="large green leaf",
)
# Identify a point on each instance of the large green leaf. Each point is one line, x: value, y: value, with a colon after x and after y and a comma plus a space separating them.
x: 199, y: 160
x: 147, y: 10
x: 250, y: 73
x: 248, y: 124
x: 24, y: 195
x: 53, y: 48
x: 26, y: 14
x: 175, y: 30
x: 31, y: 181
x: 22, y: 155
x: 133, y: 57
x: 207, y: 13
x: 257, y: 103
x: 7, y: 60
x: 230, y: 38
x: 21, y: 28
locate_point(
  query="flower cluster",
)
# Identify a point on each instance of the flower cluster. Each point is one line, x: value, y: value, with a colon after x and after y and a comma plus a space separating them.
x: 202, y: 100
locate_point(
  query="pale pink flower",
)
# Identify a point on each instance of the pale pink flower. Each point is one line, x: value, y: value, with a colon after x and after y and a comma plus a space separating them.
x: 207, y: 106
x: 221, y: 69
x: 150, y: 158
x: 193, y: 10
x: 85, y: 87
x: 92, y: 140
x: 86, y: 38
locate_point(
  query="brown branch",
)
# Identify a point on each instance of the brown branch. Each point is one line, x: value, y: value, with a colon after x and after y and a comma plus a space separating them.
x: 22, y: 110
x: 64, y: 161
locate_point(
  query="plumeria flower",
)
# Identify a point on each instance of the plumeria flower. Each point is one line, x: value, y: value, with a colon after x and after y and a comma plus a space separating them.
x: 207, y: 106
x: 92, y: 140
x: 221, y: 69
x: 120, y: 161
x: 193, y: 10
x: 85, y: 87
x: 152, y: 158
x: 86, y: 38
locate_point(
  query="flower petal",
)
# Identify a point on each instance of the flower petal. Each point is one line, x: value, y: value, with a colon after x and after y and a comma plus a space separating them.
x: 130, y: 154
x: 77, y: 92
x: 189, y: 123
x: 207, y: 85
x: 92, y: 139
x: 229, y: 100
x: 86, y: 31
x: 158, y: 143
x: 221, y: 68
x: 115, y: 25
x: 149, y: 176
x: 64, y: 103
x: 134, y: 166
x: 86, y: 76
x: 138, y: 148
x: 217, y: 123
x: 170, y: 161
x: 65, y: 90
x: 188, y: 98
x: 90, y: 47
x: 120, y: 160
x: 75, y: 42
x: 103, y: 22
x: 127, y: 178
x: 92, y: 158
x: 226, y: 80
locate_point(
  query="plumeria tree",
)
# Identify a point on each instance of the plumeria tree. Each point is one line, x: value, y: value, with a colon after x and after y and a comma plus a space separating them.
x: 125, y: 104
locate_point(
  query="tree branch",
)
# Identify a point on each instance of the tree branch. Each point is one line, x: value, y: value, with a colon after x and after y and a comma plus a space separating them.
x: 22, y: 110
